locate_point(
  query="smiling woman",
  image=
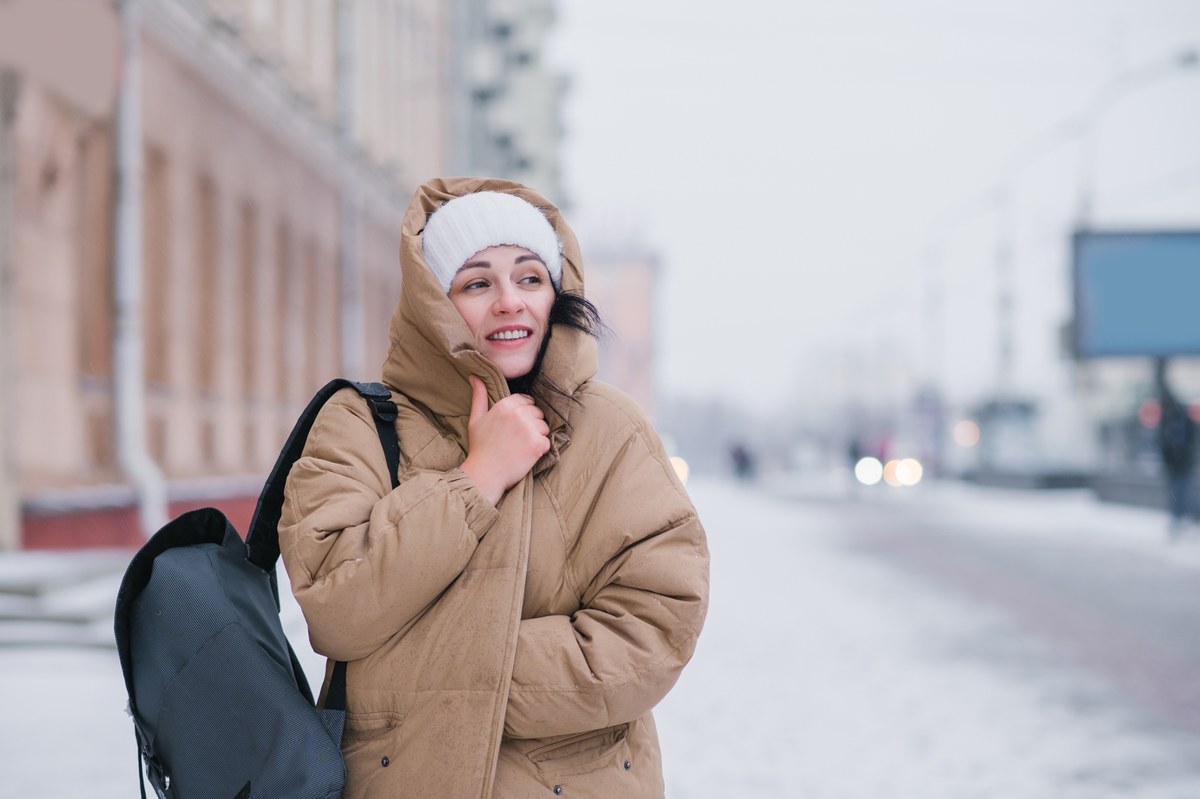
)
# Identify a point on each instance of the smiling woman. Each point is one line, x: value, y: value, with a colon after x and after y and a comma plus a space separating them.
x: 514, y: 608
x: 504, y: 294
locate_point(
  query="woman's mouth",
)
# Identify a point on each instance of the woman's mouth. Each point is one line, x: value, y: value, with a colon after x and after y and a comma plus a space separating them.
x: 509, y: 335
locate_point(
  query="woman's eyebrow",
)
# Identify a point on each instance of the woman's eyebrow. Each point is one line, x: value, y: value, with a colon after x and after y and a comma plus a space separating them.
x: 487, y: 264
x: 480, y: 263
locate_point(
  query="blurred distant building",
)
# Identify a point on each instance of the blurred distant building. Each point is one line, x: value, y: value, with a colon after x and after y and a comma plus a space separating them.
x: 621, y: 281
x: 510, y: 101
x: 186, y: 256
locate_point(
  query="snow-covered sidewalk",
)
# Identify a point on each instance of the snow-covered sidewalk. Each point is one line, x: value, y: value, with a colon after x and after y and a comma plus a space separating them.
x: 820, y: 674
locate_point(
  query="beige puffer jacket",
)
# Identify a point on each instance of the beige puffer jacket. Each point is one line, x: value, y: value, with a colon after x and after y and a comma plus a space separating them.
x: 509, y: 651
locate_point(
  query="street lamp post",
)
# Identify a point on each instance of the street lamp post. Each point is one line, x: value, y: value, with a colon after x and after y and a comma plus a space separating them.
x: 1118, y: 87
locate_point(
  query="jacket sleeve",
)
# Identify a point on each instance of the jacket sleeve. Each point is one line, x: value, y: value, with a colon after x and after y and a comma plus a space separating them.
x: 365, y: 560
x: 614, y: 659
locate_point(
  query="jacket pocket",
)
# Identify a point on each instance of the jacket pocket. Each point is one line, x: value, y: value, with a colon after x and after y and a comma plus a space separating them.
x: 366, y: 727
x: 368, y: 746
x: 576, y: 754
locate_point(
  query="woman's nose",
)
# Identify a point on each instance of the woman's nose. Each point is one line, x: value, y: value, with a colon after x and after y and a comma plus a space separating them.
x: 508, y: 299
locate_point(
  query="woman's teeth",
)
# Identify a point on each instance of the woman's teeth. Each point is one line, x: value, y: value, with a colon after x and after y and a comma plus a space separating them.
x: 509, y: 335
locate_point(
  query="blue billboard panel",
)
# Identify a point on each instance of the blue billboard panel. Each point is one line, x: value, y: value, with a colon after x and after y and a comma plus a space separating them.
x: 1137, y: 293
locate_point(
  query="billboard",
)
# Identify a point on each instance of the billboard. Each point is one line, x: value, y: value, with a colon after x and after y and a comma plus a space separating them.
x: 1137, y: 293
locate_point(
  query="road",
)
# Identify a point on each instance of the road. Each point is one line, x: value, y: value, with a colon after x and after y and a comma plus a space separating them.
x: 1128, y: 617
x: 950, y: 642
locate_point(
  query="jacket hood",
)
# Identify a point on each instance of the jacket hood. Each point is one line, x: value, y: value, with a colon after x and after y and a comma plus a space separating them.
x: 432, y: 351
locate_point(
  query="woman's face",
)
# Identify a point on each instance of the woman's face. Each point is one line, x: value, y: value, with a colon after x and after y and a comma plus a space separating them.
x: 504, y: 293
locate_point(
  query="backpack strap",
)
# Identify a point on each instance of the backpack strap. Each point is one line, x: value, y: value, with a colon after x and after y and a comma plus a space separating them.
x: 384, y: 412
x: 141, y: 776
x: 262, y: 539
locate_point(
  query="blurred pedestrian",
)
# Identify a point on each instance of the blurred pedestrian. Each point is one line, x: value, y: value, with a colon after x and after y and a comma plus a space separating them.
x: 534, y: 586
x: 743, y: 462
x: 854, y: 452
x: 1177, y: 446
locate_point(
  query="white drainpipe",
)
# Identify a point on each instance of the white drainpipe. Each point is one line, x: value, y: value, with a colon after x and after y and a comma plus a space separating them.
x: 10, y: 516
x: 129, y: 370
x: 349, y: 259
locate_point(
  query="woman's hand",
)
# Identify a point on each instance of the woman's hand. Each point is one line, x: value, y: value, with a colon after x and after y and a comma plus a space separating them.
x: 504, y: 441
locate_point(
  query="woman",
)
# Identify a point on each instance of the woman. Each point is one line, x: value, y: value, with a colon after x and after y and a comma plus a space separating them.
x: 534, y: 586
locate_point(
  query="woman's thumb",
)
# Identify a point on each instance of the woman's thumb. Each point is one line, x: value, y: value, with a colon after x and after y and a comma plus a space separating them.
x: 479, y: 397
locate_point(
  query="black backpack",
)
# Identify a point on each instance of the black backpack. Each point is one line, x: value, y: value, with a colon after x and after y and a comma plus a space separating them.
x: 221, y: 707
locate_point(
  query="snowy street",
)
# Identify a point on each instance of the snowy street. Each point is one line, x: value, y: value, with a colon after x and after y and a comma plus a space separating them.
x: 940, y: 642
x: 954, y: 642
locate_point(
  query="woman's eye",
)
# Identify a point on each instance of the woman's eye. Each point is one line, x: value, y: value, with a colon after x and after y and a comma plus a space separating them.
x: 532, y: 279
x: 474, y: 284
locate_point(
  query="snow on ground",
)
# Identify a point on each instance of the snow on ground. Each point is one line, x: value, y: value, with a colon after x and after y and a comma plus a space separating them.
x: 65, y: 731
x: 820, y: 674
x: 823, y: 674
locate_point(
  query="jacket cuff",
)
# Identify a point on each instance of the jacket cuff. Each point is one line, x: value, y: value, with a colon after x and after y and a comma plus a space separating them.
x: 481, y: 514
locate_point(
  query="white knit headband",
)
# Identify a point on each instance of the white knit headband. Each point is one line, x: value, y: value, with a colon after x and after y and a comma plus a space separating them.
x: 474, y: 222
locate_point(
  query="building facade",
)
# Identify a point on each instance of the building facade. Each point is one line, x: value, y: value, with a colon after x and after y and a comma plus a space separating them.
x: 622, y: 281
x: 200, y: 203
x: 262, y: 153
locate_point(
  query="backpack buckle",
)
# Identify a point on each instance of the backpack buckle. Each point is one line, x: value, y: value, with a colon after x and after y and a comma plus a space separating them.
x: 158, y: 778
x: 383, y: 409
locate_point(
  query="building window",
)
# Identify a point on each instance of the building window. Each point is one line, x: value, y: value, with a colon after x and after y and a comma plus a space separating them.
x: 209, y: 283
x: 328, y: 304
x: 248, y: 283
x: 248, y: 338
x: 156, y: 266
x: 282, y: 309
x: 315, y: 326
x: 97, y: 200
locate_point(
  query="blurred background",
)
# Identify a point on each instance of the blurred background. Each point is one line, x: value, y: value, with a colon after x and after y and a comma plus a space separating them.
x: 910, y: 288
x: 820, y: 231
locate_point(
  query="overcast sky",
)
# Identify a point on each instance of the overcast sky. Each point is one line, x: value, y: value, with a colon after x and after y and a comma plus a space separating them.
x: 794, y: 164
